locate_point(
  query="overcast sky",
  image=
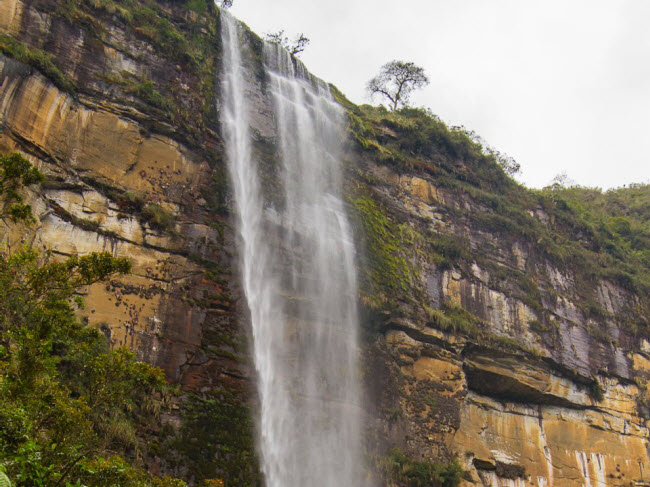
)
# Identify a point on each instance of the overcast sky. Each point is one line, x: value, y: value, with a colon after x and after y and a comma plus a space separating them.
x: 560, y: 85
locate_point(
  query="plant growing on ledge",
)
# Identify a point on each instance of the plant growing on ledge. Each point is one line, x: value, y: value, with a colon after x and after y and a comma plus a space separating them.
x: 397, y: 467
x: 68, y: 404
x: 294, y: 47
x: 16, y: 172
x: 38, y: 59
x: 158, y: 217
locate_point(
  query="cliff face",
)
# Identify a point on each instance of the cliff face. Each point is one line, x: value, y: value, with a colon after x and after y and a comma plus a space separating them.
x: 124, y: 176
x: 487, y: 336
x: 518, y: 399
x: 115, y: 184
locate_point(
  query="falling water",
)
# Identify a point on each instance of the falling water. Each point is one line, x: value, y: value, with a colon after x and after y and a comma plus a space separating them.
x: 298, y: 274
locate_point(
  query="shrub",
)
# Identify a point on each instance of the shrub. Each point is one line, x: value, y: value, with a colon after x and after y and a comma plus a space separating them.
x: 146, y: 91
x: 16, y: 172
x: 158, y: 217
x: 69, y: 404
x: 412, y: 473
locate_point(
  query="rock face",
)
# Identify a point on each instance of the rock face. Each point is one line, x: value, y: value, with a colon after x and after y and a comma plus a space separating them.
x: 519, y: 403
x: 95, y: 158
x: 491, y: 356
x: 120, y: 178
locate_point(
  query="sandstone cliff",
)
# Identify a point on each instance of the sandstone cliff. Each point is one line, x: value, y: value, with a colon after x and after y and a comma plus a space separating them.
x: 488, y: 336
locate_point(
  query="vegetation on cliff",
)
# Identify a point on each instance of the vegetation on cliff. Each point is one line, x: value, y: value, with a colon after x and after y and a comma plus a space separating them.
x: 618, y: 222
x: 398, y: 469
x: 56, y: 428
x: 500, y: 269
x: 384, y: 269
x: 71, y: 409
x: 38, y: 59
x: 171, y: 50
x: 592, y: 235
x: 179, y: 38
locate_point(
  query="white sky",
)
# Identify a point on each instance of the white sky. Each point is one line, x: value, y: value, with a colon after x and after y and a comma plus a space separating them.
x: 560, y: 85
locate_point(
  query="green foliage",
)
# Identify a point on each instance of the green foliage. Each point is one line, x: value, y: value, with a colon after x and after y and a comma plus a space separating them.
x: 616, y: 224
x: 416, y: 138
x: 169, y: 33
x: 215, y: 191
x: 164, y: 34
x: 399, y: 468
x: 447, y: 250
x: 158, y: 217
x: 596, y: 390
x: 593, y: 236
x: 191, y: 43
x: 119, y: 8
x: 385, y: 269
x: 142, y: 88
x: 83, y: 223
x: 37, y: 59
x: 198, y: 6
x: 16, y: 172
x: 454, y: 318
x: 342, y: 99
x: 68, y: 403
x: 129, y: 201
x: 115, y: 471
x: 147, y: 92
x: 4, y: 480
x: 188, y: 42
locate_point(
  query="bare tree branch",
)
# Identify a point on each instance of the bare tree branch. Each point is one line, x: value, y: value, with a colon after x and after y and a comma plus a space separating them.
x: 294, y: 47
x: 299, y: 45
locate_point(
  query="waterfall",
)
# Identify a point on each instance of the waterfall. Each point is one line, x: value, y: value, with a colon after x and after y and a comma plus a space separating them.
x: 298, y: 273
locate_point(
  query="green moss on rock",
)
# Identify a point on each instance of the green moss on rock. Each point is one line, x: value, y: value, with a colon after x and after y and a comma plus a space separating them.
x: 384, y: 269
x: 38, y: 59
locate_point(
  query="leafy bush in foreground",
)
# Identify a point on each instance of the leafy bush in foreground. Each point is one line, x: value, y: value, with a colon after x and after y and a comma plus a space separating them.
x: 69, y: 405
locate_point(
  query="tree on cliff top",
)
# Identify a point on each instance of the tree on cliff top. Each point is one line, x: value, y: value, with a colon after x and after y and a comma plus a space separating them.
x: 396, y: 81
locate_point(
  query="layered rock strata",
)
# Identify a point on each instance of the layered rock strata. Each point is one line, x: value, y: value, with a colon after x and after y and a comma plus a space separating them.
x: 522, y: 391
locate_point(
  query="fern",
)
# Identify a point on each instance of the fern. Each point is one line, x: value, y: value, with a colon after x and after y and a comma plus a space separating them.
x: 4, y: 480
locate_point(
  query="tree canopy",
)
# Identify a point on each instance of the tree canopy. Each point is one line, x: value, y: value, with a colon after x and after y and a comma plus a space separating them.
x: 396, y: 81
x: 71, y: 408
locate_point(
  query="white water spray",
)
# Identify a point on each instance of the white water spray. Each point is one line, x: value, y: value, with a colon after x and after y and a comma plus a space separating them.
x: 297, y: 262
